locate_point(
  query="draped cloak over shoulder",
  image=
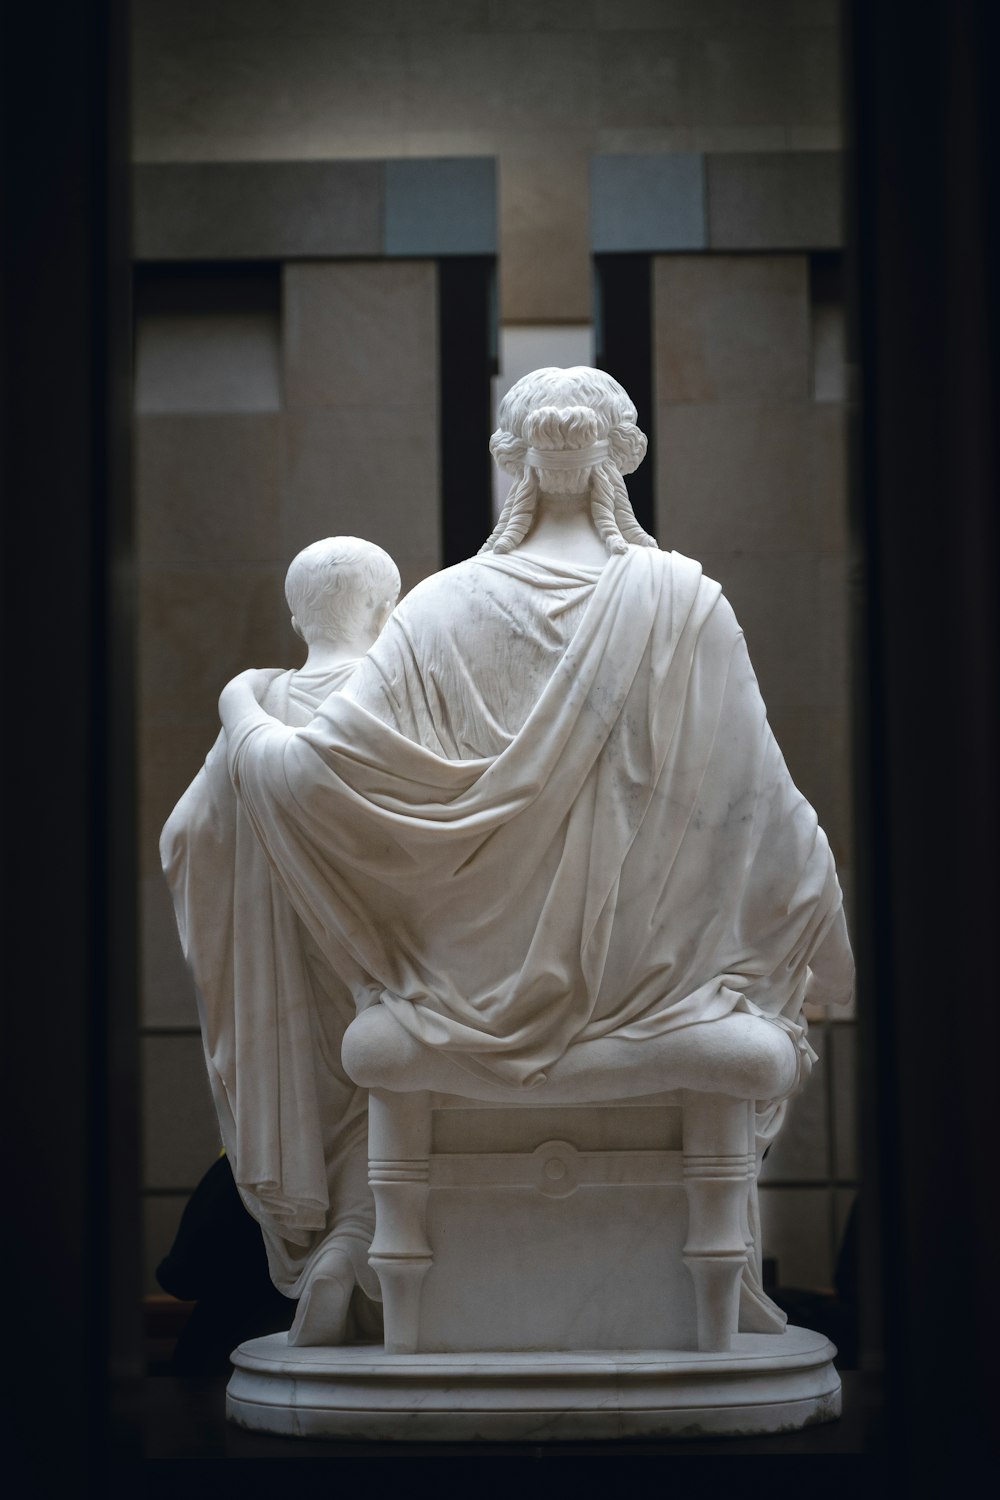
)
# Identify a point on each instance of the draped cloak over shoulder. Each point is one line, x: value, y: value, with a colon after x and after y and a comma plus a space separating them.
x: 548, y: 808
x: 273, y: 1016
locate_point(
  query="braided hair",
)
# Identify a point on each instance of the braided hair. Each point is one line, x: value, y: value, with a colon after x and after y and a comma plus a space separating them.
x: 559, y: 411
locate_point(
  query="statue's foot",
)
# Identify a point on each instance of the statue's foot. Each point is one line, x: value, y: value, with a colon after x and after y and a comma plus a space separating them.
x: 321, y: 1316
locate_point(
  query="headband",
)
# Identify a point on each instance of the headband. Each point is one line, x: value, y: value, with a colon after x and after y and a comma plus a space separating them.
x: 567, y: 458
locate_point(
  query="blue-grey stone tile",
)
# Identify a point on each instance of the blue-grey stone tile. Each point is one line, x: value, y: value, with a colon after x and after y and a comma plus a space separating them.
x: 774, y: 200
x: 257, y: 210
x: 441, y: 207
x: 647, y: 202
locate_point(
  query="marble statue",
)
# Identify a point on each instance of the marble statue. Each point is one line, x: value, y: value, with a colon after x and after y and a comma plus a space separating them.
x: 273, y: 1013
x: 544, y: 838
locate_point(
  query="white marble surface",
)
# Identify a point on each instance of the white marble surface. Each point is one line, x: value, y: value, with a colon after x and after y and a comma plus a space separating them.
x: 765, y: 1384
x: 544, y: 838
x: 272, y: 1011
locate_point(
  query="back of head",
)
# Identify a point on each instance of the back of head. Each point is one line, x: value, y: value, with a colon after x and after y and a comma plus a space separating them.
x: 333, y: 585
x: 568, y: 431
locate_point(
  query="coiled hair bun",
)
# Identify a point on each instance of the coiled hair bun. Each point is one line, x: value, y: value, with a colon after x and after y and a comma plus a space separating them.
x: 556, y: 411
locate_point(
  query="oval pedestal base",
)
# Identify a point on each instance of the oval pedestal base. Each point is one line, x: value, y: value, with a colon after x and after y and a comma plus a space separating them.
x: 765, y: 1383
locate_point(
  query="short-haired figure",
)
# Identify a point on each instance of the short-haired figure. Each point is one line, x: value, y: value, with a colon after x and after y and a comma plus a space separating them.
x: 273, y: 1011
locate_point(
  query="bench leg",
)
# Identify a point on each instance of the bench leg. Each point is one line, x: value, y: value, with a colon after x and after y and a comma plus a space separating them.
x: 718, y: 1166
x: 398, y: 1168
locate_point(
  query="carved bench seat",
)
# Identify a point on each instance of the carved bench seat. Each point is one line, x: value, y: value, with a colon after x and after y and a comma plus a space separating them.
x: 618, y: 1189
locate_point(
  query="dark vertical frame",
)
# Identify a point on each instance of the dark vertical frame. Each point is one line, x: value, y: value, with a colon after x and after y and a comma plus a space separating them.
x: 624, y: 348
x: 467, y: 360
x: 69, y: 954
x: 926, y: 256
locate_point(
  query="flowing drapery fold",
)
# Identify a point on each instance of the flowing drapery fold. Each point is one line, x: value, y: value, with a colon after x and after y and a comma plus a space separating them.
x: 548, y: 808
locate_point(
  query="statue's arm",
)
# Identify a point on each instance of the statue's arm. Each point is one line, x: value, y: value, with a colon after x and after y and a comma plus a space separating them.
x: 239, y: 702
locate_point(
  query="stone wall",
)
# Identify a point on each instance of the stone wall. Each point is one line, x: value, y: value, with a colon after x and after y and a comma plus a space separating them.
x: 542, y: 85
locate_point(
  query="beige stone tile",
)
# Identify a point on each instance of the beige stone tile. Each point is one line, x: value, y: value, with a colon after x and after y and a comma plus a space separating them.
x: 817, y: 83
x: 250, y: 91
x: 735, y: 477
x: 731, y: 328
x: 741, y: 75
x: 161, y: 1215
x: 647, y: 79
x: 208, y: 489
x: 543, y: 282
x: 714, y: 139
x: 360, y: 333
x: 180, y: 1134
x: 638, y: 140
x: 168, y: 994
x: 466, y: 80
x: 545, y: 262
x: 169, y: 757
x: 457, y: 140
x: 370, y: 472
x: 796, y: 1231
x: 800, y: 1153
x: 198, y: 628
x: 775, y: 600
x: 816, y: 745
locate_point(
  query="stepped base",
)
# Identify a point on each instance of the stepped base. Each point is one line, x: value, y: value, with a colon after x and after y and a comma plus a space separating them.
x: 766, y: 1383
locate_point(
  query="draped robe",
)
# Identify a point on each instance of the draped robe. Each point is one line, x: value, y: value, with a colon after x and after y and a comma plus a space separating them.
x: 548, y: 808
x: 273, y: 1016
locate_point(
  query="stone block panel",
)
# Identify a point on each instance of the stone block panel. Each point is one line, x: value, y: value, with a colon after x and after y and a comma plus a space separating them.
x: 764, y: 477
x: 257, y: 210
x: 365, y: 471
x: 473, y: 82
x: 775, y: 200
x: 360, y: 334
x: 816, y: 745
x: 440, y: 207
x: 180, y: 1134
x: 647, y: 202
x: 777, y: 602
x: 796, y: 1230
x: 198, y: 628
x: 170, y: 756
x: 207, y: 362
x: 545, y: 263
x: 732, y: 328
x: 208, y: 490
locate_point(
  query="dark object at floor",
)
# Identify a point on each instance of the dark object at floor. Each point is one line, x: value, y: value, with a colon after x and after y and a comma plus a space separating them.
x: 218, y: 1262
